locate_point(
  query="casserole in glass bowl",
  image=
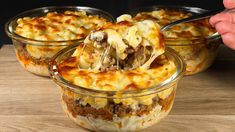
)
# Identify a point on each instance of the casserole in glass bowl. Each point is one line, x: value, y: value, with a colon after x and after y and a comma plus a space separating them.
x: 116, y: 100
x: 40, y: 33
x: 188, y: 39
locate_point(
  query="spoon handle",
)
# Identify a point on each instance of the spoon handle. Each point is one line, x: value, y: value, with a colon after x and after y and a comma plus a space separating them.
x: 197, y: 17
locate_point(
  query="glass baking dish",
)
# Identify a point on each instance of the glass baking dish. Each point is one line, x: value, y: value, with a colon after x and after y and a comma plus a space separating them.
x: 103, y: 110
x: 34, y: 55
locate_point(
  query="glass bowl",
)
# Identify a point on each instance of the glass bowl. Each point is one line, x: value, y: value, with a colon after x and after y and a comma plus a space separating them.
x: 198, y: 52
x: 34, y: 55
x: 129, y: 110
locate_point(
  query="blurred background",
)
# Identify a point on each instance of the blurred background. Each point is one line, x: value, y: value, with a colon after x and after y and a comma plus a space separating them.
x: 10, y: 8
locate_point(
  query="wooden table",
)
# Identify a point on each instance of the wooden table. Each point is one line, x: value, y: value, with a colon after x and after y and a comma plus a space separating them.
x: 204, y: 102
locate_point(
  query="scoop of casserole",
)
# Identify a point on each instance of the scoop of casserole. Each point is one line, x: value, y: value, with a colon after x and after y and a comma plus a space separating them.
x: 123, y: 45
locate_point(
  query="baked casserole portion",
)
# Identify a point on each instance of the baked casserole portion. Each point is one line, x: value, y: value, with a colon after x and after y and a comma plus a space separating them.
x: 120, y: 57
x: 50, y: 33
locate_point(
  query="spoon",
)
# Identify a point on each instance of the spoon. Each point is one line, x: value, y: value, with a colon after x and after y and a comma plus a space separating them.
x: 199, y: 17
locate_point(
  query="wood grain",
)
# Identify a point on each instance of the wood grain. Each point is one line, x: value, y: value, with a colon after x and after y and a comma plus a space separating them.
x: 204, y: 102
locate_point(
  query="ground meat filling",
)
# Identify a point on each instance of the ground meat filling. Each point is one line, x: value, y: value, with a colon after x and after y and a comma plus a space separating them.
x: 167, y: 102
x: 112, y: 110
x: 24, y: 56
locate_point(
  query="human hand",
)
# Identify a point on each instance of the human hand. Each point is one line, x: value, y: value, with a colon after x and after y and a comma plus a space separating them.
x: 224, y: 23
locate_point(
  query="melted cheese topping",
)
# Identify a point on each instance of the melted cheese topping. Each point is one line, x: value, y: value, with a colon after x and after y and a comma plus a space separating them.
x: 118, y: 80
x: 199, y: 28
x: 54, y: 26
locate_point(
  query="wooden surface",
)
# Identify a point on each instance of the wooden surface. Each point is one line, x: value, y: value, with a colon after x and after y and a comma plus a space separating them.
x: 204, y: 102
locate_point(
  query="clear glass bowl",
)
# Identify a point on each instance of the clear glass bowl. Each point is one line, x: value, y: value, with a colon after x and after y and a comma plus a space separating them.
x: 34, y: 55
x: 198, y: 53
x: 80, y: 104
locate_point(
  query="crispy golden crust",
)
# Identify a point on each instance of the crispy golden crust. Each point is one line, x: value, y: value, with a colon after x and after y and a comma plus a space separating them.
x: 160, y: 70
x: 54, y: 26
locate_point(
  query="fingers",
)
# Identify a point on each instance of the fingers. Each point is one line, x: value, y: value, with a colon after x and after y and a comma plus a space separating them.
x: 229, y: 40
x: 224, y: 27
x: 228, y: 17
x: 229, y: 3
x: 222, y: 17
x: 227, y: 31
x: 225, y: 24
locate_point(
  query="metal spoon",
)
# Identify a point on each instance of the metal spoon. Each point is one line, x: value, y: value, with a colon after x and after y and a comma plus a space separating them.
x: 199, y: 17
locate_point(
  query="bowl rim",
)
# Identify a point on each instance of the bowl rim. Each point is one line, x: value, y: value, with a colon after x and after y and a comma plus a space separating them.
x: 10, y: 31
x: 184, y: 8
x: 59, y: 80
x: 194, y: 9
